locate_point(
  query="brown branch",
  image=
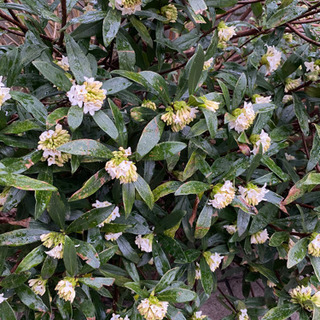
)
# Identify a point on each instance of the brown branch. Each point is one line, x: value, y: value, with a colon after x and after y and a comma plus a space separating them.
x: 194, y: 211
x: 298, y: 234
x: 64, y: 20
x: 23, y: 28
x: 306, y: 21
x: 302, y: 36
x: 20, y: 34
x: 174, y: 69
x: 227, y: 299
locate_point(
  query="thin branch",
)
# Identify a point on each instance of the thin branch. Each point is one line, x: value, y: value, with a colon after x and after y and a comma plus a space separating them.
x: 20, y: 34
x: 64, y: 20
x: 23, y: 28
x: 194, y: 211
x: 302, y: 36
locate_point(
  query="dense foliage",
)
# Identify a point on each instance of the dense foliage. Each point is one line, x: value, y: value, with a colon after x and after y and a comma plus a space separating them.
x: 148, y: 148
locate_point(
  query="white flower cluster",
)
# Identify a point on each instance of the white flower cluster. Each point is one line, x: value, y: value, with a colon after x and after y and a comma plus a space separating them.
x: 198, y: 316
x: 179, y: 115
x: 243, y: 315
x: 127, y: 6
x: 2, y: 298
x: 209, y: 104
x: 114, y: 214
x: 112, y: 236
x: 260, y: 99
x: 231, y: 228
x: 314, y: 245
x: 121, y: 168
x: 49, y: 141
x: 38, y: 285
x: 261, y: 139
x: 213, y: 260
x: 252, y: 194
x: 198, y: 271
x: 118, y: 317
x: 260, y: 237
x: 243, y: 118
x: 292, y: 84
x: 271, y: 59
x: 66, y: 289
x: 314, y: 69
x: 64, y: 63
x: 144, y: 243
x: 55, y: 241
x: 89, y: 95
x: 222, y: 195
x: 225, y: 33
x: 153, y: 309
x: 208, y: 64
x: 4, y: 92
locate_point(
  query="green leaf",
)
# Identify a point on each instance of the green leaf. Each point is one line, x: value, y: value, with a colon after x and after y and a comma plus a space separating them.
x: 255, y: 162
x: 90, y: 219
x: 192, y: 187
x: 32, y: 259
x: 170, y: 221
x: 239, y: 91
x: 278, y: 238
x: 6, y: 312
x: 91, y: 186
x: 30, y: 299
x: 160, y: 260
x: 31, y: 104
x: 106, y: 124
x: 126, y: 54
x: 314, y: 153
x: 150, y: 136
x: 165, y: 189
x: 14, y: 280
x: 86, y: 147
x: 49, y: 267
x: 70, y: 257
x: 144, y: 191
x: 54, y: 74
x: 196, y: 70
x: 301, y: 114
x: 142, y: 30
x: 56, y: 116
x: 281, y: 312
x: 135, y: 287
x: 158, y: 84
x: 115, y: 85
x: 107, y: 254
x: 297, y: 252
x: 87, y: 253
x: 43, y: 197
x: 97, y: 283
x: 243, y: 220
x: 212, y: 122
x: 226, y: 95
x: 177, y: 295
x: 206, y: 276
x: 57, y: 209
x: 128, y: 197
x: 78, y: 61
x: 21, y: 237
x: 315, y: 261
x: 123, y: 136
x: 274, y: 168
x: 75, y: 117
x: 165, y: 150
x: 110, y: 27
x: 21, y: 127
x: 166, y: 279
x: 126, y: 249
x: 204, y: 222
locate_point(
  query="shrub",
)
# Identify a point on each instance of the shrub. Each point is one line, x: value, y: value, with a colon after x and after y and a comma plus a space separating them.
x: 147, y: 148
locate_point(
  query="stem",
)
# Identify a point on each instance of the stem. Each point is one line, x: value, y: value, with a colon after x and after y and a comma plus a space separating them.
x: 227, y: 299
x: 302, y: 36
x: 64, y: 20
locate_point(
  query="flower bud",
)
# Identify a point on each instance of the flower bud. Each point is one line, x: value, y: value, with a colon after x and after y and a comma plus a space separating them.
x: 144, y: 243
x: 271, y: 59
x: 153, y: 309
x: 4, y: 92
x: 149, y: 104
x: 170, y: 12
x: 38, y: 285
x: 66, y: 289
x: 261, y: 139
x: 213, y: 260
x: 222, y: 195
x: 198, y: 316
x: 314, y: 245
x: 292, y: 84
x: 260, y: 237
x: 55, y: 240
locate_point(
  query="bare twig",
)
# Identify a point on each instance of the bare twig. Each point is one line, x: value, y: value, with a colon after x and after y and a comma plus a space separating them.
x: 63, y: 21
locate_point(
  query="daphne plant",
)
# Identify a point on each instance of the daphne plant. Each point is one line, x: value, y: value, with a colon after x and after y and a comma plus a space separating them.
x: 151, y: 151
